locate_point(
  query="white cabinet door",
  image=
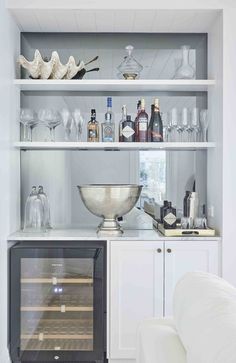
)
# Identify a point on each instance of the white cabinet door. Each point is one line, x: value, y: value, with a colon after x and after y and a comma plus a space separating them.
x: 186, y: 256
x: 136, y: 292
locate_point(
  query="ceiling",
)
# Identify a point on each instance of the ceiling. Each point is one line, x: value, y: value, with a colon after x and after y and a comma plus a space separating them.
x: 30, y: 19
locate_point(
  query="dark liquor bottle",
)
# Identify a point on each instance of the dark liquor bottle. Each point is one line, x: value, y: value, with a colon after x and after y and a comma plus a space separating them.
x: 142, y: 124
x: 155, y: 126
x: 186, y: 204
x: 169, y: 218
x: 123, y: 118
x: 136, y: 120
x: 128, y: 130
x: 93, y: 128
x: 162, y: 210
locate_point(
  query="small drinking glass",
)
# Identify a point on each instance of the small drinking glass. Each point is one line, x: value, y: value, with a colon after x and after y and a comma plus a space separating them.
x: 67, y: 121
x: 200, y: 223
x: 78, y: 120
x: 51, y: 119
x: 204, y: 122
x: 184, y: 222
x: 29, y: 120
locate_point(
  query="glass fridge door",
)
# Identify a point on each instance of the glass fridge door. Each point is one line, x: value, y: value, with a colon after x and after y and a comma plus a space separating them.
x: 61, y: 307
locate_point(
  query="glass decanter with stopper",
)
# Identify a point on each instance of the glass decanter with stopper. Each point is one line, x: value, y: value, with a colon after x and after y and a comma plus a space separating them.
x: 185, y: 70
x: 130, y: 69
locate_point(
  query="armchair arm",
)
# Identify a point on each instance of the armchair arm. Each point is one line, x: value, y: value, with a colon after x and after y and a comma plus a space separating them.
x: 158, y: 342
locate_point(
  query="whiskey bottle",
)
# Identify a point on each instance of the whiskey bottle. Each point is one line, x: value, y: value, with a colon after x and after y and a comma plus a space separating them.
x: 169, y: 218
x: 142, y: 124
x: 155, y: 129
x: 108, y: 127
x: 93, y: 128
x: 128, y: 130
x: 123, y: 118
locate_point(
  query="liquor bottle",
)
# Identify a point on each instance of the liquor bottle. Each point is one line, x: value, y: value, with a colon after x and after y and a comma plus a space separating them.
x: 142, y: 124
x: 93, y: 128
x: 186, y: 204
x: 155, y: 126
x: 169, y: 218
x: 123, y: 118
x: 108, y: 127
x: 136, y: 120
x: 162, y: 210
x: 128, y: 130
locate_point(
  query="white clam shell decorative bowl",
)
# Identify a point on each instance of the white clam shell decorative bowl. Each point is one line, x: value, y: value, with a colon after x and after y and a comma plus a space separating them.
x: 38, y: 68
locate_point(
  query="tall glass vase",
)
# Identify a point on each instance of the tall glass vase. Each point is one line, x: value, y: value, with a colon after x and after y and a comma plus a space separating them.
x: 185, y: 70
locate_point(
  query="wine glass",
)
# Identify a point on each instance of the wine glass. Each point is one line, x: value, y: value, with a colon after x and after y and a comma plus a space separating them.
x: 174, y: 124
x: 195, y: 124
x: 185, y: 123
x: 166, y: 127
x: 204, y: 122
x: 29, y: 120
x: 78, y: 120
x: 51, y: 118
x: 67, y: 121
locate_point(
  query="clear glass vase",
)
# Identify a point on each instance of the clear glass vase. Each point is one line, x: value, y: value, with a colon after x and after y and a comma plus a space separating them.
x: 185, y: 70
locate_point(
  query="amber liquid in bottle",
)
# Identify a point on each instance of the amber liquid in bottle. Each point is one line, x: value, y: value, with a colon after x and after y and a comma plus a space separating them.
x: 93, y: 128
x: 142, y: 124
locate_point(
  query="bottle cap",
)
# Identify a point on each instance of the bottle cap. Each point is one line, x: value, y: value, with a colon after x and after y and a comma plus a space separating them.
x: 109, y: 102
x: 165, y: 202
x: 142, y: 103
x: 128, y: 118
x: 156, y: 102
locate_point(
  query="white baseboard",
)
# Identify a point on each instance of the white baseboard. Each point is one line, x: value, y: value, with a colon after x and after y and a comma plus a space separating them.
x: 121, y: 360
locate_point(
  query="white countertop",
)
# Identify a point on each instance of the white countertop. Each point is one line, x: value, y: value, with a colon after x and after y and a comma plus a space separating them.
x: 90, y: 234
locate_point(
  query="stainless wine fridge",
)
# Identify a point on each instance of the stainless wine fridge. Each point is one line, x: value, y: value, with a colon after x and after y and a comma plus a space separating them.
x: 57, y: 302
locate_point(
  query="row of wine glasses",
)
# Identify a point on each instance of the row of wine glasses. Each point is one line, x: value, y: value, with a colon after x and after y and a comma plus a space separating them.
x: 186, y: 125
x: 51, y: 118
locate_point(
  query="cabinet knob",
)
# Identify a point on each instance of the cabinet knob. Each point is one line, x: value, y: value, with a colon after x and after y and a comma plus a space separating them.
x: 159, y: 250
x: 169, y: 250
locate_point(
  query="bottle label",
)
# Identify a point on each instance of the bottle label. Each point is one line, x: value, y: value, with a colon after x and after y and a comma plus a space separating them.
x: 127, y: 131
x: 156, y: 135
x: 107, y: 133
x: 92, y: 134
x: 142, y: 126
x: 170, y: 219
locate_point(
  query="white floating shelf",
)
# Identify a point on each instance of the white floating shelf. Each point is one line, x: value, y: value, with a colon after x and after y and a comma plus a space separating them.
x: 116, y: 85
x: 114, y: 145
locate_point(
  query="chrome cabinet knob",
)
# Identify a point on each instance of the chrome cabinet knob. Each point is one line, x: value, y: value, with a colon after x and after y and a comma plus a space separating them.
x: 159, y: 250
x: 169, y: 250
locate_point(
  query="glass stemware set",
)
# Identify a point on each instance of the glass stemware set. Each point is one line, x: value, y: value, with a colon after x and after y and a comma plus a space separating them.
x: 51, y: 118
x: 37, y: 211
x: 185, y: 126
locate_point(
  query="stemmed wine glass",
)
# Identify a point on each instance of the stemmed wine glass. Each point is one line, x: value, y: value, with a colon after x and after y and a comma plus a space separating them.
x: 67, y: 121
x: 29, y: 120
x: 174, y: 124
x: 51, y: 119
x: 78, y: 120
x: 204, y: 122
x: 195, y: 124
x: 166, y: 127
